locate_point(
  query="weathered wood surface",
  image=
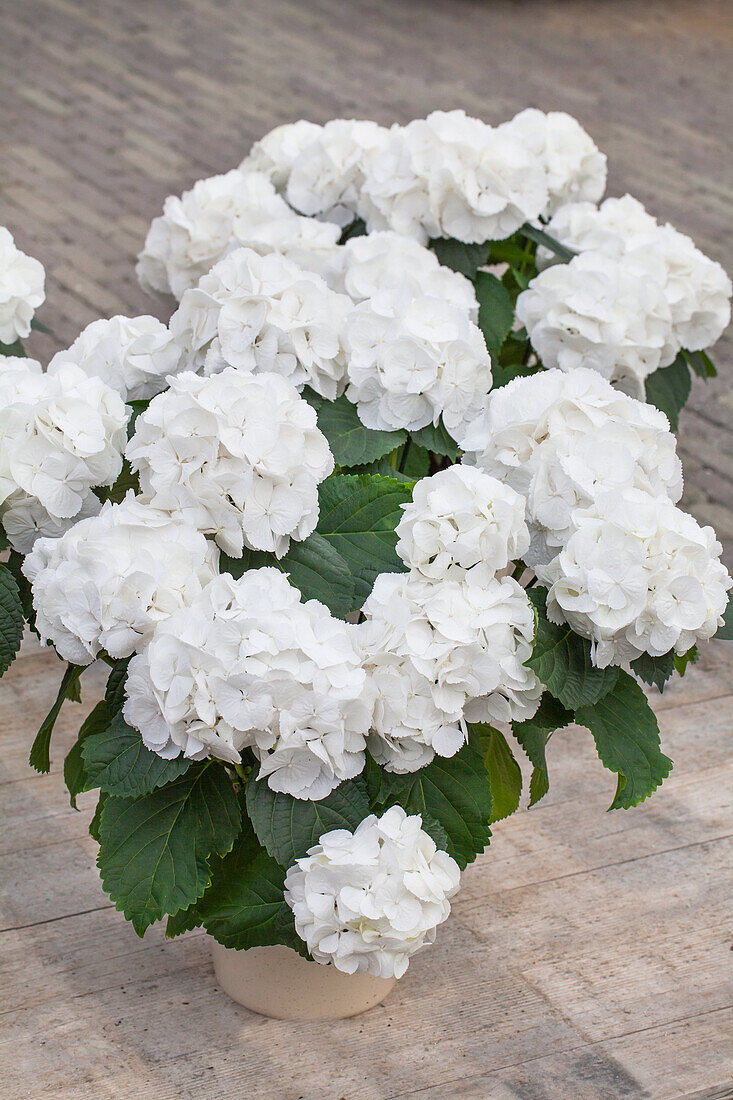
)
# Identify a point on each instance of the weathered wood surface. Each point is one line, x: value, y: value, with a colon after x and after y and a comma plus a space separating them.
x: 588, y: 957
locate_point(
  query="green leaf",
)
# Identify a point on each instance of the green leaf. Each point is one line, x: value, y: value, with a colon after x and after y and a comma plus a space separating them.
x: 495, y: 311
x: 466, y: 258
x: 137, y: 408
x: 114, y: 692
x: 14, y: 350
x: 287, y: 827
x: 562, y: 661
x: 539, y: 785
x: 435, y: 830
x: 701, y: 363
x: 127, y: 480
x: 357, y: 228
x: 245, y: 906
x: 726, y: 630
x: 654, y: 670
x: 15, y: 565
x: 539, y: 236
x: 40, y: 754
x: 455, y: 792
x: 96, y: 821
x: 184, y: 921
x: 626, y: 734
x: 12, y: 619
x: 533, y: 735
x: 682, y: 660
x: 383, y: 787
x: 358, y: 517
x: 505, y: 775
x: 75, y: 775
x: 154, y: 850
x: 351, y: 443
x: 314, y: 566
x: 117, y: 761
x: 436, y: 438
x: 668, y: 389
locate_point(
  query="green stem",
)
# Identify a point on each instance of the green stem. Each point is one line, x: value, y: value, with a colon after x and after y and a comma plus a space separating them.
x: 403, y: 457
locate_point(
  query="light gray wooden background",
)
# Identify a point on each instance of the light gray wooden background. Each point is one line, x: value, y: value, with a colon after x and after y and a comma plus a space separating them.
x: 589, y: 956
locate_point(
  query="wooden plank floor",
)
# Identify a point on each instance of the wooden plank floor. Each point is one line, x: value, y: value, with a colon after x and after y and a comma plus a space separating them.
x: 589, y: 956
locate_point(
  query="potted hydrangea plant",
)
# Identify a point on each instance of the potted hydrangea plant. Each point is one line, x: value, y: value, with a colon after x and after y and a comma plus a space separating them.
x: 392, y: 498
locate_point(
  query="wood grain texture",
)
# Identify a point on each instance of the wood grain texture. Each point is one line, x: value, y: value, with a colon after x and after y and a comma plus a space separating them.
x: 588, y: 956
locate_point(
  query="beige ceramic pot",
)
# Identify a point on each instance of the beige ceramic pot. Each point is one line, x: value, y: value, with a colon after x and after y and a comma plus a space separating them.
x: 277, y: 982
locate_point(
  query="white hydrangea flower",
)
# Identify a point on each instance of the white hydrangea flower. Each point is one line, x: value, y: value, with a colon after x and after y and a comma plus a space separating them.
x: 560, y: 440
x: 61, y: 434
x: 109, y: 579
x: 611, y: 228
x: 595, y: 312
x: 637, y: 575
x: 133, y: 355
x: 696, y: 289
x: 239, y: 456
x: 388, y: 268
x: 461, y: 518
x: 25, y: 520
x: 239, y: 208
x: 274, y: 154
x: 417, y: 361
x: 575, y: 168
x: 431, y: 648
x: 453, y: 176
x: 22, y: 291
x: 367, y: 901
x: 327, y: 175
x: 249, y: 665
x: 265, y: 314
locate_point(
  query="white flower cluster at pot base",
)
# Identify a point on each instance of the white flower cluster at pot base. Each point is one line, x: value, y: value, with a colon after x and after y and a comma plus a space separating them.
x: 629, y: 244
x: 595, y: 312
x: 600, y: 475
x: 106, y: 583
x: 265, y: 314
x: 453, y: 176
x: 460, y: 519
x: 239, y: 208
x: 239, y: 456
x: 133, y: 355
x: 61, y: 434
x: 387, y: 268
x: 367, y: 901
x: 249, y: 665
x: 22, y: 291
x: 575, y: 169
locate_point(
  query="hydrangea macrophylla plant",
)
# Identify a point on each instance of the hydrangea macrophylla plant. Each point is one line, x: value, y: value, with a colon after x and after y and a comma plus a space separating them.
x: 391, y: 499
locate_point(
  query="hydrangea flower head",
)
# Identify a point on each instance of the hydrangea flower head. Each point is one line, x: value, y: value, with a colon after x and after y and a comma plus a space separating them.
x: 239, y: 456
x: 110, y: 578
x: 265, y: 314
x: 250, y: 665
x: 133, y: 355
x: 22, y: 291
x: 367, y: 901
